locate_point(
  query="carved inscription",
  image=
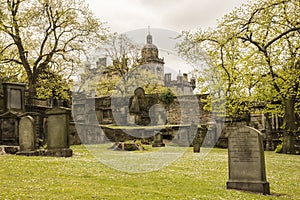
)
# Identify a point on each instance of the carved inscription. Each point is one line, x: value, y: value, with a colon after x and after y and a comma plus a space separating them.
x: 244, y: 147
x: 246, y: 161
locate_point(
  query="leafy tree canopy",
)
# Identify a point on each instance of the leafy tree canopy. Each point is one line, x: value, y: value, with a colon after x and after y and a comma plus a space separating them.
x: 40, y: 34
x: 253, y: 57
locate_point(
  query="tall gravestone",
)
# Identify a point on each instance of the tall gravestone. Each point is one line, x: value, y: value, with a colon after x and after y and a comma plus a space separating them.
x: 14, y: 97
x: 246, y: 161
x: 57, y: 132
x: 14, y: 106
x: 27, y: 136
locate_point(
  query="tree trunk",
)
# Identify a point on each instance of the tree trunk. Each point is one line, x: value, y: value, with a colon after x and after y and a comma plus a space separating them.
x: 31, y: 90
x: 289, y: 137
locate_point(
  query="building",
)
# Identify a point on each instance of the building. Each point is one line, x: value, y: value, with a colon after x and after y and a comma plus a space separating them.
x: 150, y: 62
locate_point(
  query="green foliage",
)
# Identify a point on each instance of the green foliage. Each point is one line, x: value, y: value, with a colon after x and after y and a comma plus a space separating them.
x: 167, y: 96
x: 279, y: 148
x: 52, y: 84
x: 38, y: 34
x: 256, y: 62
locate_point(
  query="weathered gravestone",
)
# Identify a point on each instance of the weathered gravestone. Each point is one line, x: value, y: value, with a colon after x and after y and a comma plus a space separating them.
x: 158, y: 140
x: 183, y: 136
x: 27, y: 136
x: 14, y: 97
x: 57, y: 130
x: 246, y: 161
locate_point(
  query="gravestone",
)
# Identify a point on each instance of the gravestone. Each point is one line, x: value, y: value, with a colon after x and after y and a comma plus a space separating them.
x: 158, y: 140
x: 197, y: 139
x: 14, y: 97
x: 246, y: 161
x: 138, y: 107
x: 183, y: 136
x: 27, y: 136
x: 57, y: 132
x: 9, y: 128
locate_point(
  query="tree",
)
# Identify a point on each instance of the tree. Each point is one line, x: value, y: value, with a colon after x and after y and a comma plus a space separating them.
x: 256, y: 49
x: 39, y: 34
x: 52, y: 85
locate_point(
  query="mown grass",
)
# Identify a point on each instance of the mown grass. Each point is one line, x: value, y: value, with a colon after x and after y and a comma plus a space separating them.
x: 83, y: 177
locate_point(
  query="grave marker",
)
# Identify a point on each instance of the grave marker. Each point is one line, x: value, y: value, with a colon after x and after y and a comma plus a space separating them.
x: 27, y: 134
x: 246, y: 161
x: 58, y: 130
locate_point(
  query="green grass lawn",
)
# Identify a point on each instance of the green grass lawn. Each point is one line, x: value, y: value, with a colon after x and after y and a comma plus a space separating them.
x: 83, y: 177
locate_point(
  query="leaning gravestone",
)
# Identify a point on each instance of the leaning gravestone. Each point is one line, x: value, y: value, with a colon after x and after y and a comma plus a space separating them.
x: 27, y: 136
x: 58, y: 133
x: 246, y: 161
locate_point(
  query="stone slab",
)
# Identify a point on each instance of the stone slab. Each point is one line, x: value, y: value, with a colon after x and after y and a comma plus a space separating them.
x: 246, y: 161
x: 27, y: 134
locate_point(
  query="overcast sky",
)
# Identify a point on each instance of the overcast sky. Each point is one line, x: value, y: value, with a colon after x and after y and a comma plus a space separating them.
x: 134, y: 16
x: 177, y: 15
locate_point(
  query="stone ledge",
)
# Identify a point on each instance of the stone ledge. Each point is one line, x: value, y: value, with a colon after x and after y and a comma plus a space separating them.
x: 9, y: 149
x: 27, y: 153
x: 64, y: 152
x: 252, y: 186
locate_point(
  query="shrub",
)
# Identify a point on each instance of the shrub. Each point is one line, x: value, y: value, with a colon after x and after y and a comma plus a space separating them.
x: 167, y: 96
x: 279, y: 148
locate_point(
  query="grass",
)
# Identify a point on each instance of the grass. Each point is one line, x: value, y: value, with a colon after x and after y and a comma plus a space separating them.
x: 83, y: 177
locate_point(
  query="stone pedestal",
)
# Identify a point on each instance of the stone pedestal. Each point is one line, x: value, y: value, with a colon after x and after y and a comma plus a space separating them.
x: 58, y: 130
x: 246, y: 161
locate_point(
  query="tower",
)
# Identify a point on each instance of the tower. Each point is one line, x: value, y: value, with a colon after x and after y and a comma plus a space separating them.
x: 150, y: 62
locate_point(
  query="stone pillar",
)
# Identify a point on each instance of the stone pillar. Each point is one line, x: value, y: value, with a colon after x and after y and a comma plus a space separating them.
x: 58, y: 130
x: 27, y: 136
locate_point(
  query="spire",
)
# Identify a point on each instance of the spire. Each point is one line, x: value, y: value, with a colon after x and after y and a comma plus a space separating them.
x: 149, y: 36
x: 179, y: 74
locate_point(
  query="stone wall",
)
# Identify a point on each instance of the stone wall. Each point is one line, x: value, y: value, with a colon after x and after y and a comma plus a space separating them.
x: 182, y: 110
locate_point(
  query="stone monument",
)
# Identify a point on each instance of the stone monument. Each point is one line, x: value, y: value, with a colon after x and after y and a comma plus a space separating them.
x: 27, y: 136
x: 246, y: 161
x: 138, y: 108
x: 13, y: 108
x: 9, y: 128
x: 158, y: 140
x: 14, y: 97
x: 57, y: 132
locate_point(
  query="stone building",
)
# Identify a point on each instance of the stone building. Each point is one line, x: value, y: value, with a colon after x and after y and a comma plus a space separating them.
x: 150, y: 62
x: 182, y: 85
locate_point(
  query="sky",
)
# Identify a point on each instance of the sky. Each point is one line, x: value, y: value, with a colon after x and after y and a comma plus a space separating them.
x: 177, y: 15
x: 166, y: 18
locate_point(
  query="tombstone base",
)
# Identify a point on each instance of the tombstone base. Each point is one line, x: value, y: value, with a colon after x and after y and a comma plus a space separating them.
x: 158, y: 145
x: 64, y: 152
x: 196, y: 148
x: 8, y: 149
x: 255, y: 186
x: 27, y: 153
